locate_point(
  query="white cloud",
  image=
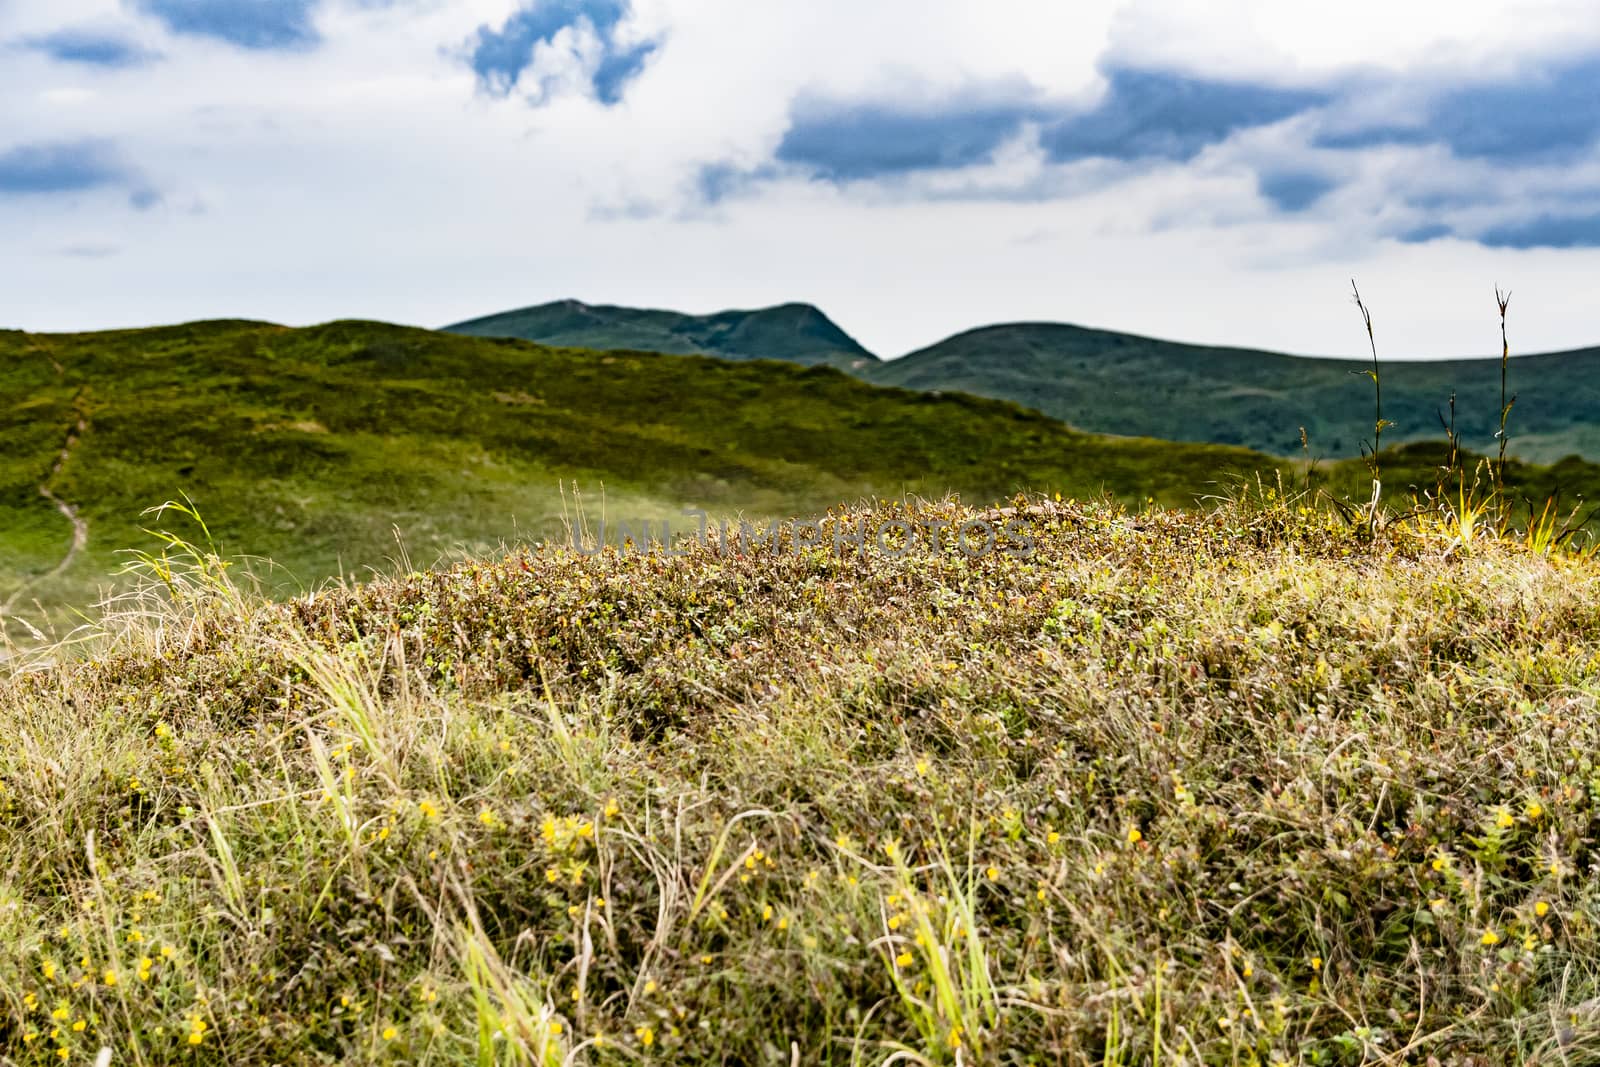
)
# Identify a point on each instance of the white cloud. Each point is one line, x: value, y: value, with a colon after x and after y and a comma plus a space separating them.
x: 369, y: 177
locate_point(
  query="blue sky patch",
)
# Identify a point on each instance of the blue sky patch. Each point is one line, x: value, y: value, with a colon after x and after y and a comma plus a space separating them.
x: 61, y: 167
x: 92, y: 48
x: 262, y: 25
x: 1294, y: 190
x: 499, y: 57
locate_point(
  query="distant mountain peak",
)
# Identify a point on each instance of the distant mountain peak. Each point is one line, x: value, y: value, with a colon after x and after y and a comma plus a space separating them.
x: 794, y: 332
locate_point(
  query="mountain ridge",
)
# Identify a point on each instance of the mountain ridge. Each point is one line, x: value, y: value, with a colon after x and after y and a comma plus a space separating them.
x: 795, y: 332
x: 1112, y: 382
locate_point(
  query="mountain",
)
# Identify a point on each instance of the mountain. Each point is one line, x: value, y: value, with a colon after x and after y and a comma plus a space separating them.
x: 1102, y: 381
x: 316, y: 447
x: 1107, y: 382
x: 796, y: 333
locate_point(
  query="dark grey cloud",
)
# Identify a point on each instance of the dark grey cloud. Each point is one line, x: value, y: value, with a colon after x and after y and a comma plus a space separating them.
x: 1152, y: 114
x: 848, y: 142
x: 1546, y: 231
x: 1143, y: 116
x: 1542, y: 116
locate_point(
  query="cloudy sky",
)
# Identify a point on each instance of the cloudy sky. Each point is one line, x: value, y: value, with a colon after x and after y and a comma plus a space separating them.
x: 1212, y: 172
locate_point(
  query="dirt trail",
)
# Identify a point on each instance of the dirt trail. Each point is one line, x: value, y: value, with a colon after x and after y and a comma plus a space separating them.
x: 80, y: 526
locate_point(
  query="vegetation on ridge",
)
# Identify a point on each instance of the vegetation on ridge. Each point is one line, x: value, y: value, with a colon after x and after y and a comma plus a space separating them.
x: 1237, y: 786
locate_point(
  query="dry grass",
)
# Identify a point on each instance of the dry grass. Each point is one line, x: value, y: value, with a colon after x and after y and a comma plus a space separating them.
x: 1244, y: 786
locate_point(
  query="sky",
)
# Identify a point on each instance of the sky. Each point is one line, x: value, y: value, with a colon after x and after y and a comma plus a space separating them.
x: 1214, y: 172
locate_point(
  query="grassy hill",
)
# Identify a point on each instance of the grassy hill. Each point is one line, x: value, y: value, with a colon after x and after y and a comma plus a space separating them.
x: 353, y: 446
x: 1228, y: 787
x: 315, y: 447
x: 798, y: 333
x: 1101, y: 381
x: 1118, y: 383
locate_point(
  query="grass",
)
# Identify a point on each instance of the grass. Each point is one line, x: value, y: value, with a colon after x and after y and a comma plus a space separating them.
x: 1250, y: 784
x: 1107, y: 382
x: 334, y: 450
x: 315, y: 448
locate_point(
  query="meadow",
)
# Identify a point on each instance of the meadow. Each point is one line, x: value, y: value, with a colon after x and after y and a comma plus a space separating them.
x: 1240, y: 764
x: 1253, y: 784
x: 353, y: 448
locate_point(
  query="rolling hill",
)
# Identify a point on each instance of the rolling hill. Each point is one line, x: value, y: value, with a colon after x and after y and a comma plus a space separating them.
x: 1110, y: 382
x: 1101, y: 381
x: 316, y: 447
x: 797, y: 333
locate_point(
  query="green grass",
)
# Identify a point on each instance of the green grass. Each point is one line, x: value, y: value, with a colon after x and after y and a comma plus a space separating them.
x: 1102, y: 381
x: 313, y: 447
x: 337, y: 449
x: 1107, y: 382
x: 1230, y: 786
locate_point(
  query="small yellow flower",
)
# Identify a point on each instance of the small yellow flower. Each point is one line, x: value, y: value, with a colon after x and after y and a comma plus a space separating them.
x: 1440, y: 863
x: 488, y: 818
x: 903, y: 960
x: 650, y: 986
x: 1541, y: 909
x: 1134, y: 836
x: 78, y: 1027
x: 1051, y: 838
x: 1534, y: 809
x: 646, y: 1036
x: 1489, y: 938
x: 1503, y: 818
x: 109, y: 976
x: 992, y: 873
x: 922, y: 768
x: 612, y: 808
x: 766, y: 913
x: 555, y: 1026
x: 390, y: 1033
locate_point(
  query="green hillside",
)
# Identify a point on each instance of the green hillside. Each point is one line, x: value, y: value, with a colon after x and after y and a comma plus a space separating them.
x: 1101, y: 381
x: 1109, y: 382
x: 314, y: 447
x: 798, y: 333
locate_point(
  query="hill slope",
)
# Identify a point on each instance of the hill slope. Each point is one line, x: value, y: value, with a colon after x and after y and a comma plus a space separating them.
x: 798, y: 333
x: 314, y: 446
x: 1102, y: 381
x: 1216, y: 789
x: 1109, y: 382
